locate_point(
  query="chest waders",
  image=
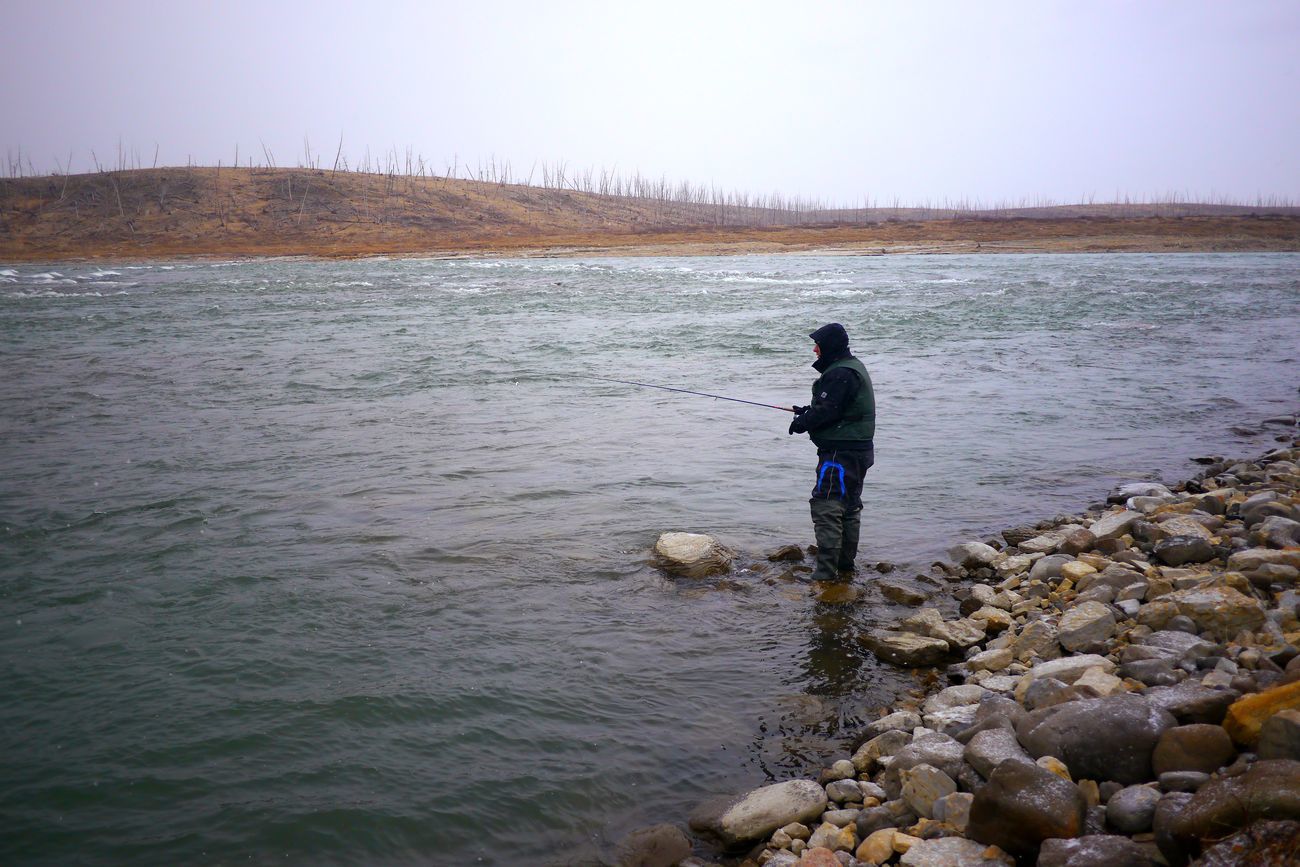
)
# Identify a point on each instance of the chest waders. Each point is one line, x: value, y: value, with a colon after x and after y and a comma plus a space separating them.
x: 836, y: 501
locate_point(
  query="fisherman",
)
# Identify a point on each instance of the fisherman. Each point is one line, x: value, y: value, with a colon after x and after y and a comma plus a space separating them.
x: 841, y: 421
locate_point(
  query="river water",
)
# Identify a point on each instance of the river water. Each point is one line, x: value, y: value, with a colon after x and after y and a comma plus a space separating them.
x: 345, y: 562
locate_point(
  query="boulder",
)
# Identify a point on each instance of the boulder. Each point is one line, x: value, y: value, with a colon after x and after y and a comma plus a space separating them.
x: 953, y: 852
x: 1246, y: 716
x: 1048, y: 542
x: 1191, y: 702
x: 754, y: 815
x: 1132, y: 809
x: 902, y: 593
x: 1222, y: 611
x: 1269, y: 790
x: 1100, y: 739
x: 905, y: 648
x: 1114, y: 524
x: 692, y: 555
x: 1094, y: 850
x: 990, y: 748
x: 1197, y: 747
x: 1022, y: 805
x: 655, y: 846
x: 1085, y: 626
x: 1279, y: 737
x: 1181, y: 550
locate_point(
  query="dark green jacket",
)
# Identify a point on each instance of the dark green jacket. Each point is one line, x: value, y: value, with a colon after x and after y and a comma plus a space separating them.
x: 856, y: 428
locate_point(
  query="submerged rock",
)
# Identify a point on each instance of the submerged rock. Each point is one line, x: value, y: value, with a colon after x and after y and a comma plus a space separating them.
x: 655, y: 846
x: 692, y: 555
x: 905, y: 648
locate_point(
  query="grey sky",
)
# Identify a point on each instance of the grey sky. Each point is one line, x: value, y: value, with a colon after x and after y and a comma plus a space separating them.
x: 990, y: 100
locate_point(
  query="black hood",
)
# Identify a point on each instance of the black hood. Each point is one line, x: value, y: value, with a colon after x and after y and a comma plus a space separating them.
x: 834, y: 343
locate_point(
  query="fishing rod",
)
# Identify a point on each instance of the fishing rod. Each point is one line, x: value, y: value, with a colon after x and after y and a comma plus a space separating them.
x: 688, y: 391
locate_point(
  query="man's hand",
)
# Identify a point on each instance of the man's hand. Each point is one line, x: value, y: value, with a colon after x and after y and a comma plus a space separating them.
x: 797, y: 426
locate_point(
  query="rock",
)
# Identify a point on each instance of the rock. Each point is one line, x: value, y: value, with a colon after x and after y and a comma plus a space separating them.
x: 875, y: 819
x: 1168, y: 808
x: 1261, y: 843
x: 1276, y: 532
x: 1016, y: 535
x: 954, y: 809
x: 840, y: 818
x: 972, y: 554
x: 1049, y: 568
x: 888, y: 743
x: 1269, y: 790
x: 1078, y: 542
x: 990, y: 660
x: 1100, y: 682
x: 923, y: 785
x: 1253, y: 558
x: 841, y: 791
x: 1008, y: 565
x: 1100, y: 739
x: 1049, y: 541
x: 936, y: 749
x: 840, y: 770
x: 903, y: 720
x: 1222, y: 611
x: 1279, y: 736
x: 1190, y: 702
x: 1139, y: 489
x: 958, y: 634
x: 1085, y: 626
x: 992, y: 619
x: 905, y: 648
x: 655, y: 846
x: 954, y: 696
x: 692, y: 555
x: 1151, y: 672
x: 1037, y: 640
x: 1075, y: 570
x: 992, y: 747
x: 786, y: 554
x: 1176, y: 644
x: 1198, y: 747
x: 1095, y: 850
x: 1183, y: 781
x: 903, y: 594
x: 1180, y: 550
x: 1246, y: 716
x: 878, y: 847
x: 819, y: 857
x: 1022, y: 805
x: 953, y: 852
x: 1132, y: 808
x: 754, y: 815
x: 1056, y: 766
x: 1114, y: 524
x: 834, y: 838
x: 1067, y: 669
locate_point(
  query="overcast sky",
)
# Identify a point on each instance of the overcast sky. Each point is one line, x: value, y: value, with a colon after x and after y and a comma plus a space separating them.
x: 995, y: 101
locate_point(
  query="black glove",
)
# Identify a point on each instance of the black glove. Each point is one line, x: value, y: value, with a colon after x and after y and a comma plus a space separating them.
x: 796, y: 426
x: 799, y: 410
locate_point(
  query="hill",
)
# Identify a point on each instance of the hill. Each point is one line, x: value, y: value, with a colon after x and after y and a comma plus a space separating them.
x: 149, y: 213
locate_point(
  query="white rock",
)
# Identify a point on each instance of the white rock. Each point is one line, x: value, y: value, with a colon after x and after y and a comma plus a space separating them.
x: 972, y: 554
x: 954, y: 696
x: 692, y: 555
x: 754, y: 815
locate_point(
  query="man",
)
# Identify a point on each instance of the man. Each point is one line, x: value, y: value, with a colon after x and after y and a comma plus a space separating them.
x: 841, y: 421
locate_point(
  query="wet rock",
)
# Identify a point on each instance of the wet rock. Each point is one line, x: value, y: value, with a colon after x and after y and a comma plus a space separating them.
x: 954, y: 696
x: 903, y: 594
x: 754, y: 815
x: 905, y: 648
x: 1181, y: 550
x: 1246, y: 716
x: 1198, y: 747
x: 1016, y: 535
x: 786, y: 554
x: 655, y: 846
x: 1129, y: 490
x: 1168, y: 808
x: 1095, y: 850
x: 1101, y: 739
x: 1190, y: 702
x: 1279, y: 736
x: 1183, y: 781
x: 888, y: 743
x: 1269, y: 790
x: 1085, y: 626
x: 1022, y: 805
x: 1132, y: 808
x: 953, y: 852
x: 958, y: 634
x: 692, y: 555
x: 902, y: 720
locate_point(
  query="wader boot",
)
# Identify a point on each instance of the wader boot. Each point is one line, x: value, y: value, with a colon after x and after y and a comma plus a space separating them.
x: 828, y: 528
x: 849, y: 542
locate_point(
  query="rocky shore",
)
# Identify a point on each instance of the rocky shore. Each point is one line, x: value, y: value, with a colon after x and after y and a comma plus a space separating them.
x: 1123, y: 688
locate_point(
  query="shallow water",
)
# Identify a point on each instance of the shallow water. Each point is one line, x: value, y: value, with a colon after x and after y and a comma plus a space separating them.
x: 344, y: 562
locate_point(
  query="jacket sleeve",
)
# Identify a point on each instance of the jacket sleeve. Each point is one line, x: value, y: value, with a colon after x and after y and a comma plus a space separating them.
x: 839, y: 388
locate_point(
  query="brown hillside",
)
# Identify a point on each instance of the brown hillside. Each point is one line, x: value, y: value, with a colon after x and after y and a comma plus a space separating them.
x: 234, y: 212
